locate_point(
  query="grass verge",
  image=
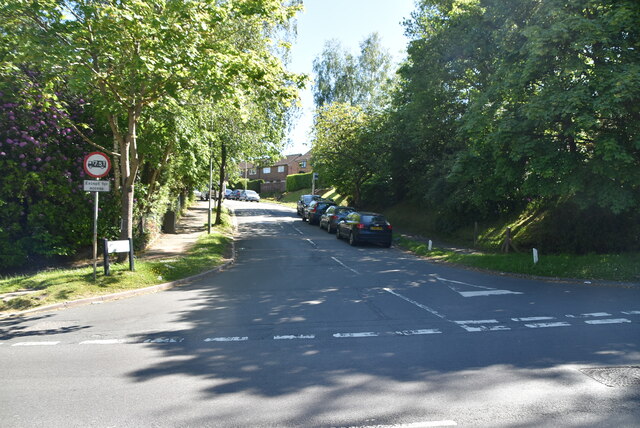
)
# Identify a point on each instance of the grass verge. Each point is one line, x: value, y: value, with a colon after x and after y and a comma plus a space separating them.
x: 49, y: 287
x: 610, y: 267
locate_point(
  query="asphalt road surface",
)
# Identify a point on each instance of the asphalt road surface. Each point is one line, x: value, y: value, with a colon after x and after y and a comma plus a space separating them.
x: 304, y: 330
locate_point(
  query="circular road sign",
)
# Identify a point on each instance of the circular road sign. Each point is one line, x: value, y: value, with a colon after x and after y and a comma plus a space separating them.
x: 97, y: 164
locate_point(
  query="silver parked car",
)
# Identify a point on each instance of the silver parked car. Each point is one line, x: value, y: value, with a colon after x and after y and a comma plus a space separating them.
x: 249, y: 196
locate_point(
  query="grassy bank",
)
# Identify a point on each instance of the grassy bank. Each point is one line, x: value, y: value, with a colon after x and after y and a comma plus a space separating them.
x: 611, y: 267
x: 56, y: 286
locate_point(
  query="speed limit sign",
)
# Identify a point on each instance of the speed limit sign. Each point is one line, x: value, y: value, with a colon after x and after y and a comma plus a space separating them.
x: 97, y: 164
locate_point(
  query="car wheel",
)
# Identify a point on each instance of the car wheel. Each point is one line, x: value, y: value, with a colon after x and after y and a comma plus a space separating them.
x: 387, y: 244
x: 352, y: 239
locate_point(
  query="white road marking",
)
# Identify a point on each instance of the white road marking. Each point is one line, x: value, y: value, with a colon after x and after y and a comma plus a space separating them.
x: 488, y: 291
x: 227, y: 339
x: 479, y: 325
x: 485, y: 328
x: 608, y: 321
x: 463, y: 283
x: 103, y: 342
x: 595, y: 314
x: 413, y: 302
x: 477, y: 322
x: 345, y: 266
x: 417, y: 332
x: 534, y: 319
x: 429, y: 424
x: 165, y: 340
x: 548, y: 324
x: 36, y: 343
x: 292, y: 337
x: 631, y: 312
x: 363, y: 334
x: 297, y: 230
x: 485, y: 293
x: 312, y: 243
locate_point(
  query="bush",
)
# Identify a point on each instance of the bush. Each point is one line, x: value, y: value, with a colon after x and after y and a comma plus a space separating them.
x: 44, y: 211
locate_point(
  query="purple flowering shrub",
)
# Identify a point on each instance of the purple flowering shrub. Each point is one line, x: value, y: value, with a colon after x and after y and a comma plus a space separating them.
x: 44, y: 211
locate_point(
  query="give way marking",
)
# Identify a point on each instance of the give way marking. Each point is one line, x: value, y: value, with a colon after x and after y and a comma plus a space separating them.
x: 459, y: 287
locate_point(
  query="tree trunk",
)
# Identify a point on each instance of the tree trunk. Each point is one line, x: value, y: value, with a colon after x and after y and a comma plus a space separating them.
x: 223, y: 168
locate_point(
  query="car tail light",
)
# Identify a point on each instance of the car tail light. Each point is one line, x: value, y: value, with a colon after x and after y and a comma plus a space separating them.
x: 334, y: 217
x: 389, y: 226
x: 361, y: 226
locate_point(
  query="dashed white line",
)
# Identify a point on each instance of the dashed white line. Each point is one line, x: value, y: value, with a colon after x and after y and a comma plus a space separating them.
x: 592, y: 315
x: 36, y: 343
x: 103, y: 342
x: 362, y: 334
x: 417, y: 332
x: 293, y: 337
x: 479, y: 325
x: 227, y: 339
x: 477, y: 322
x: 297, y: 230
x: 631, y: 312
x: 486, y: 293
x: 345, y: 266
x: 609, y: 321
x: 427, y: 424
x: 548, y: 324
x: 312, y: 243
x: 165, y: 340
x: 533, y: 319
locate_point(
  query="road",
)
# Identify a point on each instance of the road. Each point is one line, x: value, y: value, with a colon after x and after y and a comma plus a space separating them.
x: 305, y: 331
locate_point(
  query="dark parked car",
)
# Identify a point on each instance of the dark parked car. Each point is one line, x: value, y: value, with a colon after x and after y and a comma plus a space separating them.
x: 365, y: 227
x: 315, y: 209
x: 330, y: 218
x: 304, y: 201
x: 235, y: 194
x: 227, y: 193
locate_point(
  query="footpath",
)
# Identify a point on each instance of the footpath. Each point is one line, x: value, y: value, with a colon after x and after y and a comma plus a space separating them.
x: 188, y: 228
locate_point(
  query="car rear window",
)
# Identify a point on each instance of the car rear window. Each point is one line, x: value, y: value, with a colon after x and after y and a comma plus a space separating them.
x: 373, y: 219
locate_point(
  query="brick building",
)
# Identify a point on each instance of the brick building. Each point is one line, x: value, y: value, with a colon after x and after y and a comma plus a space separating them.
x: 275, y: 175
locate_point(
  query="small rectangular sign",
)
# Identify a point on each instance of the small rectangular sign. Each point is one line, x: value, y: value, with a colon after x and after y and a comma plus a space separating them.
x: 96, y: 186
x: 118, y: 246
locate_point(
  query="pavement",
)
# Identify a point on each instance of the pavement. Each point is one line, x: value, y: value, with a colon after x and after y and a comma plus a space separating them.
x: 188, y: 228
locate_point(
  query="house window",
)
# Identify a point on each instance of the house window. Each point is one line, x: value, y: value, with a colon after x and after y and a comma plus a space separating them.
x: 253, y: 171
x: 303, y: 164
x: 266, y: 170
x: 281, y: 168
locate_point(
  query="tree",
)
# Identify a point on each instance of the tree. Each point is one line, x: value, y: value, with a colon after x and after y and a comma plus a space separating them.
x: 128, y: 57
x: 346, y: 151
x: 341, y: 77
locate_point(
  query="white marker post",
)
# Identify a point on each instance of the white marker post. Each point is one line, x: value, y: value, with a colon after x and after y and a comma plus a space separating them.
x: 430, y: 245
x: 535, y: 256
x: 96, y: 165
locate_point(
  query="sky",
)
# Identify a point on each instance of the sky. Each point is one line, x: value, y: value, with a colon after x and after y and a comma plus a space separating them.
x: 350, y: 22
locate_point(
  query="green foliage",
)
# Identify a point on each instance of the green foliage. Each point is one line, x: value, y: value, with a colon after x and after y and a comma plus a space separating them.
x: 349, y: 148
x: 43, y: 210
x: 299, y: 181
x: 343, y: 78
x: 506, y: 104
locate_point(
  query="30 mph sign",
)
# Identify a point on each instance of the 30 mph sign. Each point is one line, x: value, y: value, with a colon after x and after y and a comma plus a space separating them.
x: 97, y: 164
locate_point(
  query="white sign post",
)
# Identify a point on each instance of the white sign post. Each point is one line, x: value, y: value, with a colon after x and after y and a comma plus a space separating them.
x: 96, y: 165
